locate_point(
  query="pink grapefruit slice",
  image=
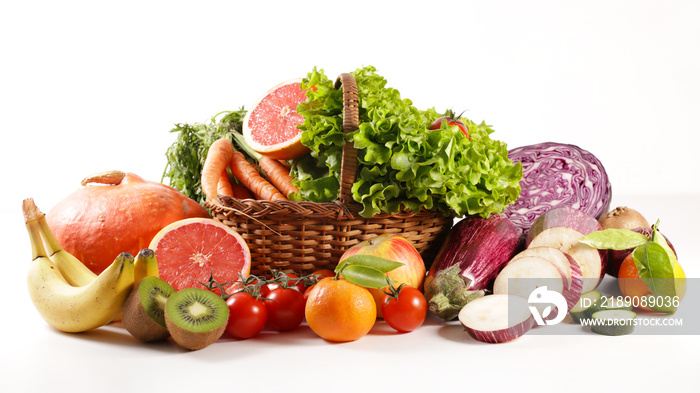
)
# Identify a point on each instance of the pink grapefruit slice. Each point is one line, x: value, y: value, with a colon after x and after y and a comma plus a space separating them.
x: 189, y: 250
x: 270, y: 127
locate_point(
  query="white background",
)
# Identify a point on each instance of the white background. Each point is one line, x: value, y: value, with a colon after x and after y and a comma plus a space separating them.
x: 93, y: 86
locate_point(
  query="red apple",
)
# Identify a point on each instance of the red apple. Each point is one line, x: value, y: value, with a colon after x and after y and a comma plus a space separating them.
x: 395, y: 248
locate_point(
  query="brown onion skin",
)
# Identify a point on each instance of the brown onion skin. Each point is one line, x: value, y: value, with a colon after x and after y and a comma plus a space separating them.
x: 616, y: 257
x: 622, y: 217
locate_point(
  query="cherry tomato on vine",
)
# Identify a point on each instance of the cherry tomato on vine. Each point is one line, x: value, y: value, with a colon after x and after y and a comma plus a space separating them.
x: 308, y: 291
x: 247, y: 315
x: 451, y: 120
x: 320, y: 274
x: 298, y: 285
x: 239, y: 286
x: 406, y: 311
x: 285, y: 307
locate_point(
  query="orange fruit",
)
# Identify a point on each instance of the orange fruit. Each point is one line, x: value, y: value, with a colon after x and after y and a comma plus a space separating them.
x: 270, y: 128
x: 634, y: 288
x: 631, y: 285
x: 338, y: 310
x: 189, y: 250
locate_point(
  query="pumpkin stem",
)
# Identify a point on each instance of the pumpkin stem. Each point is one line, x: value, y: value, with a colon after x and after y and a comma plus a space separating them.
x: 108, y: 177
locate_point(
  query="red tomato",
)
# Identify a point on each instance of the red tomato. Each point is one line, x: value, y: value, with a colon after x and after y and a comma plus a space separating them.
x: 308, y: 291
x: 237, y: 287
x: 298, y: 285
x: 405, y: 312
x: 267, y: 288
x: 319, y: 274
x: 247, y: 315
x: 451, y: 120
x: 285, y: 307
x: 241, y: 285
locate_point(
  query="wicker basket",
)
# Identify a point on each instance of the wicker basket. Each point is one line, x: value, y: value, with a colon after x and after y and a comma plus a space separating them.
x: 305, y: 236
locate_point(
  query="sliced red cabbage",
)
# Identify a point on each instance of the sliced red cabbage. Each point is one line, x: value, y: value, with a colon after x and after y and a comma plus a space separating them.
x: 557, y: 175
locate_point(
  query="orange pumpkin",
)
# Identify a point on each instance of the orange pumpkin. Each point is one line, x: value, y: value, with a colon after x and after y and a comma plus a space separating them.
x: 116, y: 212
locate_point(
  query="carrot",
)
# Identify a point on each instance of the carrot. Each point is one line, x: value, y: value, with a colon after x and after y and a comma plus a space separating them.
x: 278, y: 175
x: 245, y: 172
x: 235, y: 190
x: 218, y: 158
x: 240, y: 192
x: 224, y: 185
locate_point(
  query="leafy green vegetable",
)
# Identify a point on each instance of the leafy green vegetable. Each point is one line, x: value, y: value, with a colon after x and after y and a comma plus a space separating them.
x: 186, y: 156
x: 402, y: 164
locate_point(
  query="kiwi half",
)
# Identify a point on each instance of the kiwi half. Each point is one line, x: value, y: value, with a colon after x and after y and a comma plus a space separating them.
x: 195, y: 317
x: 144, y: 311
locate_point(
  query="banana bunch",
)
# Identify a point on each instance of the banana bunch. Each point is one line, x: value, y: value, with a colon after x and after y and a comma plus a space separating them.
x: 67, y: 294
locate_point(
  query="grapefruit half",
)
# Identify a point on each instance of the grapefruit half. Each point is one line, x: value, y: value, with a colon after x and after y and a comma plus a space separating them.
x: 270, y: 127
x: 189, y: 250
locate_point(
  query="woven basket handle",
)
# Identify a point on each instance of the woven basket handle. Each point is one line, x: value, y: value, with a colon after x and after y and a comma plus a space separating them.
x: 351, y: 121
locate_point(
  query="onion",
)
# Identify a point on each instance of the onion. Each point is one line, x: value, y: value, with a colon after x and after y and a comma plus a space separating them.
x: 622, y: 217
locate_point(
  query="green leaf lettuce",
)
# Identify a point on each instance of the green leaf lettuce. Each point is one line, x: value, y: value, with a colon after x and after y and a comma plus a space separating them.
x: 402, y: 165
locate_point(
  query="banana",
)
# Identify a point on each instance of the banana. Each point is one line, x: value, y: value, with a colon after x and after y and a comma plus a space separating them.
x: 78, y: 309
x: 145, y: 265
x: 72, y: 269
x: 72, y: 308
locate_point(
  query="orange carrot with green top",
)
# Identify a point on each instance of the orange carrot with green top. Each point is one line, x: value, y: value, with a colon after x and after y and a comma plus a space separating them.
x: 218, y: 158
x: 278, y: 175
x: 245, y: 173
x: 224, y: 185
x: 240, y: 192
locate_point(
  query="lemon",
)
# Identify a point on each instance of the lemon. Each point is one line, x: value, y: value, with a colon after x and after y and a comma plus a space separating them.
x: 679, y: 275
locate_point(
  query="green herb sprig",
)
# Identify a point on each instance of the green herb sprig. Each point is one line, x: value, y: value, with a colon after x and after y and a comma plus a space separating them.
x: 186, y: 156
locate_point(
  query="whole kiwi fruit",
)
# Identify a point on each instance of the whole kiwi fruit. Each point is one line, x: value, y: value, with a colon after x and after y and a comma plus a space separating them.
x: 195, y: 317
x: 144, y: 311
